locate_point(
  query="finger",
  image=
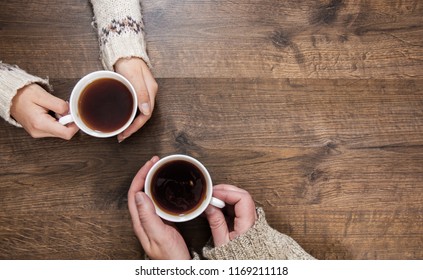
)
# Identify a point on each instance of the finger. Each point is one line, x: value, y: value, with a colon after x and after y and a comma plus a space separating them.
x: 136, y: 186
x: 243, y: 202
x: 139, y: 179
x: 144, y: 101
x: 218, y: 226
x: 229, y: 188
x: 134, y: 127
x: 244, y: 208
x: 151, y: 85
x: 47, y: 126
x: 53, y: 103
x: 232, y: 196
x: 64, y: 132
x: 136, y: 222
x: 150, y: 222
x: 137, y: 80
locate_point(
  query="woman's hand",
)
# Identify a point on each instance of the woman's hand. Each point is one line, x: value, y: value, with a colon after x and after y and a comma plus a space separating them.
x: 31, y: 106
x: 240, y: 217
x: 159, y: 240
x: 140, y: 76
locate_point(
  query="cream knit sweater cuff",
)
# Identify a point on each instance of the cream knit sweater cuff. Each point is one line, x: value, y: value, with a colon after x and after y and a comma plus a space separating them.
x: 12, y: 78
x: 120, y: 30
x: 260, y: 242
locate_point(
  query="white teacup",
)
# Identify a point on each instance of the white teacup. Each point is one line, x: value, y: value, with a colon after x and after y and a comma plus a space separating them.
x: 170, y: 185
x: 117, y: 96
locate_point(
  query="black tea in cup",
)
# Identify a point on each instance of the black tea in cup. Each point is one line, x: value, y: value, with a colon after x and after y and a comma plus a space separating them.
x: 178, y: 187
x: 105, y: 105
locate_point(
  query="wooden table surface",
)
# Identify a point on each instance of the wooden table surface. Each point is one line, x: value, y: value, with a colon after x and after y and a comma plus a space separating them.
x: 314, y: 107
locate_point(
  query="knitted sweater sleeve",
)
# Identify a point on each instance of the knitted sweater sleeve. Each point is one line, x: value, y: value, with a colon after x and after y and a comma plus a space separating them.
x: 12, y: 79
x: 120, y: 30
x: 260, y: 242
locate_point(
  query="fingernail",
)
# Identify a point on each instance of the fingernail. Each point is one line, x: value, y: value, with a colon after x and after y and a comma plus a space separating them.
x: 145, y: 109
x: 121, y: 138
x: 209, y: 210
x: 139, y: 199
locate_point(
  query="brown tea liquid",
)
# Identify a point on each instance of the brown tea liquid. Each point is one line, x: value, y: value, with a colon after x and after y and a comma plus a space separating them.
x: 178, y: 187
x: 105, y: 105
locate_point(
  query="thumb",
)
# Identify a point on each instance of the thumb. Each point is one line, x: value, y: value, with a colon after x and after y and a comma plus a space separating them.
x: 150, y: 221
x: 142, y: 202
x: 218, y: 226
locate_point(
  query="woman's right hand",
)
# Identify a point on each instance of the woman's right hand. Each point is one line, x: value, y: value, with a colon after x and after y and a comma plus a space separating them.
x: 30, y: 108
x: 240, y: 214
x: 139, y: 75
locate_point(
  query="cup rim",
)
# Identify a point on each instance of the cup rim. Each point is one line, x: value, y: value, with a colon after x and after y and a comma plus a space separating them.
x: 198, y: 210
x: 88, y: 79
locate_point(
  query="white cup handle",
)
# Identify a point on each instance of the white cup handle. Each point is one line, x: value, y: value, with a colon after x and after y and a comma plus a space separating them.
x: 217, y: 202
x: 66, y: 119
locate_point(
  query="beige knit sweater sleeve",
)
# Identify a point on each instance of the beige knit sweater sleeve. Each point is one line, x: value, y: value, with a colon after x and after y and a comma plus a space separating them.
x: 261, y: 242
x: 120, y: 30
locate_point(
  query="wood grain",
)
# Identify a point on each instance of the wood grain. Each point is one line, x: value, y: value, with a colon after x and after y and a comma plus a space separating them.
x: 286, y: 39
x: 49, y: 38
x: 228, y: 39
x: 314, y: 107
